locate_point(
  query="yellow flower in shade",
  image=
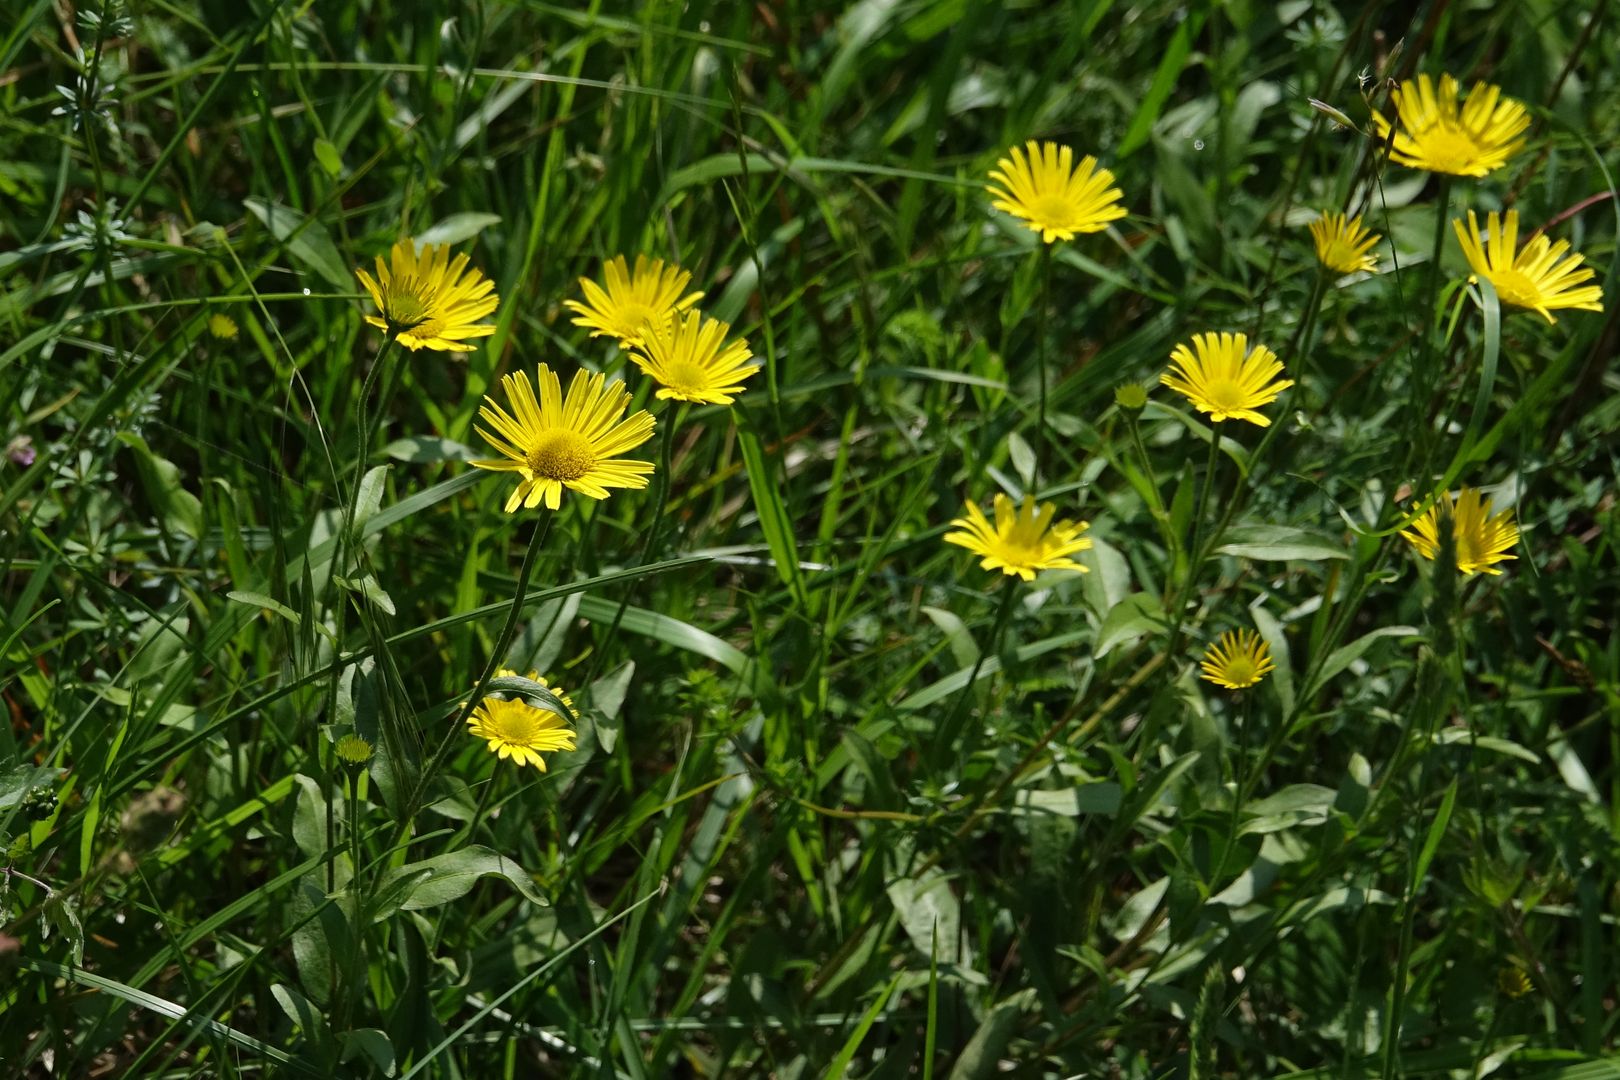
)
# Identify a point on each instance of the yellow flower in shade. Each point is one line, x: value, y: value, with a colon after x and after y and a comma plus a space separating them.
x: 1436, y: 134
x: 631, y: 300
x: 691, y: 360
x: 1052, y: 197
x: 536, y: 677
x: 428, y: 300
x: 1225, y: 379
x: 1538, y: 278
x: 520, y: 731
x: 1237, y: 660
x: 557, y: 443
x: 1344, y: 246
x: 1482, y: 540
x: 1021, y: 541
x: 222, y: 326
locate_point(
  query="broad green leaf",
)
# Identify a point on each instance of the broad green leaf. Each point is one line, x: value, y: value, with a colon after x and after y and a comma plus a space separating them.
x: 457, y: 228
x: 269, y: 603
x: 1280, y: 543
x: 452, y: 876
x: 306, y: 240
x: 180, y: 510
x: 1133, y: 617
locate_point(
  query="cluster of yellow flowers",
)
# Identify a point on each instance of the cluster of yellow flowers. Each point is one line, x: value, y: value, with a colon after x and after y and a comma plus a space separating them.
x: 428, y: 300
x: 1221, y: 376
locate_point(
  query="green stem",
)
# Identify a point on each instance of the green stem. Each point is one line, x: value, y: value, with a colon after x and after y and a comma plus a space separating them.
x: 340, y: 567
x: 1040, y: 352
x: 1195, y: 556
x: 1161, y: 517
x: 497, y: 657
x: 950, y: 730
x: 649, y: 544
x: 1424, y: 358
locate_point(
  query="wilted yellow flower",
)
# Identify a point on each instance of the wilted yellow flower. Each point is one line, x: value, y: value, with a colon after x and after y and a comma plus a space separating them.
x: 222, y: 326
x: 429, y: 300
x: 1513, y: 981
x: 1342, y: 245
x: 555, y: 443
x: 1438, y: 135
x: 1538, y: 278
x: 1224, y: 378
x: 1051, y: 196
x: 1237, y: 660
x: 1021, y: 541
x: 1481, y: 540
x: 651, y: 294
x: 520, y: 731
x: 689, y: 356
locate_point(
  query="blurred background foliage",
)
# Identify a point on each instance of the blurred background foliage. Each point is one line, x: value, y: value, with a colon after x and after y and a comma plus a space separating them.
x: 1397, y: 857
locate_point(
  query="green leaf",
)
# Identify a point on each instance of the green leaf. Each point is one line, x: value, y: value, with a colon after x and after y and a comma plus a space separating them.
x: 774, y: 520
x: 1280, y: 543
x: 180, y: 510
x: 1171, y: 63
x: 62, y: 915
x: 306, y: 241
x: 371, y: 1043
x: 981, y: 1057
x: 269, y: 603
x: 420, y: 449
x: 1133, y: 617
x: 1346, y: 655
x: 1102, y: 797
x: 456, y: 228
x: 329, y: 158
x: 452, y: 876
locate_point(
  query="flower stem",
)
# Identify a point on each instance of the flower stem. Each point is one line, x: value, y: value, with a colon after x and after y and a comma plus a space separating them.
x: 649, y: 544
x: 1040, y: 352
x: 497, y: 656
x: 1195, y: 556
x: 1423, y: 362
x: 951, y: 729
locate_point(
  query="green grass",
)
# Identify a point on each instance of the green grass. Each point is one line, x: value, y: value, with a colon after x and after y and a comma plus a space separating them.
x: 841, y: 805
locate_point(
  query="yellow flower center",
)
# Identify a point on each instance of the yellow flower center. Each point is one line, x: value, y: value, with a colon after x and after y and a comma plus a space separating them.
x: 1052, y: 210
x: 685, y: 377
x: 1227, y: 395
x: 516, y: 726
x: 1239, y: 669
x: 1517, y: 288
x: 561, y: 455
x: 633, y: 319
x: 1449, y: 149
x: 403, y: 304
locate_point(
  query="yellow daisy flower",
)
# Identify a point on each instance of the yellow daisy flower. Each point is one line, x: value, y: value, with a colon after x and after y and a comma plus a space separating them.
x: 1021, y: 541
x: 1538, y: 278
x: 520, y: 731
x: 1482, y: 540
x: 1438, y: 135
x: 1237, y: 660
x: 689, y: 357
x: 631, y: 300
x: 1225, y: 379
x: 428, y: 300
x: 222, y: 326
x: 1052, y: 197
x: 1344, y: 246
x: 557, y: 443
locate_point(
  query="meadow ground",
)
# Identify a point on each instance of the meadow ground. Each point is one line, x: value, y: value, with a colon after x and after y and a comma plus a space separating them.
x: 383, y: 701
